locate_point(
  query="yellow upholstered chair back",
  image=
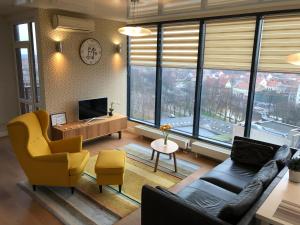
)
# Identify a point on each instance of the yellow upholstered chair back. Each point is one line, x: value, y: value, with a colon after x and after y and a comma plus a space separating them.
x: 28, y: 134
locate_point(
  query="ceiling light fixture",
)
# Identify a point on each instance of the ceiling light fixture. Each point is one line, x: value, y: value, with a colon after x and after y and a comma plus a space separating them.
x: 134, y: 31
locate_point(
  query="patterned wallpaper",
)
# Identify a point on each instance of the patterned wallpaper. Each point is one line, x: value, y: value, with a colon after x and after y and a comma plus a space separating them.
x: 67, y: 79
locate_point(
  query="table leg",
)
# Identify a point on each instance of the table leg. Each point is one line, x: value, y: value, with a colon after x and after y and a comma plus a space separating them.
x: 170, y: 155
x: 120, y: 134
x: 152, y: 156
x: 175, y: 163
x: 156, y: 162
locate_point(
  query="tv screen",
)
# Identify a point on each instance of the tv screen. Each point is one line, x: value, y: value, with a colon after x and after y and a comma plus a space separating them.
x: 92, y: 108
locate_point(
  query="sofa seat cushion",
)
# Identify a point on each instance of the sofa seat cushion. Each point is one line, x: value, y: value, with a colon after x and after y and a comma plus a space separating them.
x: 110, y: 162
x: 207, y: 196
x: 231, y: 176
x: 234, y: 210
x: 77, y: 162
x: 250, y: 153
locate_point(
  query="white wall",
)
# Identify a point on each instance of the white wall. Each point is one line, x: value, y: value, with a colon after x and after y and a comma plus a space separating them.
x: 8, y: 89
x: 67, y: 79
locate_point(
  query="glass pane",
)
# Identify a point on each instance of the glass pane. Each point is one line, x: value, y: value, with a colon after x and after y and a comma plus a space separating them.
x: 36, y: 66
x: 178, y: 91
x: 142, y: 93
x: 276, y: 116
x: 25, y: 108
x: 25, y: 90
x: 223, y: 104
x: 21, y: 32
x: 227, y: 65
x: 179, y: 62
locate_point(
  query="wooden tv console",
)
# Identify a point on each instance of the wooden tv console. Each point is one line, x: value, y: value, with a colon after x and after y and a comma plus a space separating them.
x: 90, y: 130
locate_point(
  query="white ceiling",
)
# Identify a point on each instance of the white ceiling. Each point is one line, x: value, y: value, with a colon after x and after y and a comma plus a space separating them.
x: 109, y: 9
x: 151, y: 10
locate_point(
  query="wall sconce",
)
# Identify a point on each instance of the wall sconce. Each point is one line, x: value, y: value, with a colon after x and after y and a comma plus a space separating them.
x: 118, y: 48
x: 58, y: 46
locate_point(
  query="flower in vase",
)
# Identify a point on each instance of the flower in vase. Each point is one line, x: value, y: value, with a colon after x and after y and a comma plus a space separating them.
x: 165, y: 130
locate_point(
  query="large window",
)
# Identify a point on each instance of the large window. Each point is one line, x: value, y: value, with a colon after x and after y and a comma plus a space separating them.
x: 276, y: 115
x: 179, y: 63
x: 143, y: 77
x: 214, y: 79
x: 27, y: 67
x: 227, y: 64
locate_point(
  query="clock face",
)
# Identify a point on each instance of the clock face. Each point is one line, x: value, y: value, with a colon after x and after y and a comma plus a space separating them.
x: 90, y: 51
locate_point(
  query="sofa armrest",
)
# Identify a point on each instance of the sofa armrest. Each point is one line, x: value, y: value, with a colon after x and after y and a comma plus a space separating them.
x: 51, y: 167
x: 58, y: 157
x: 162, y: 208
x: 70, y: 145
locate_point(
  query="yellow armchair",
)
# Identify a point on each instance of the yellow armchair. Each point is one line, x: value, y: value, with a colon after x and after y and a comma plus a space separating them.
x: 46, y: 162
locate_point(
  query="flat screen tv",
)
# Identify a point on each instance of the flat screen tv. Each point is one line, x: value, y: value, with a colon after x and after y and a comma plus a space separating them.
x: 92, y: 108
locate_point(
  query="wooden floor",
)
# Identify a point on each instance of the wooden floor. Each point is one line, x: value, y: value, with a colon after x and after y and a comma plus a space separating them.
x: 17, y: 208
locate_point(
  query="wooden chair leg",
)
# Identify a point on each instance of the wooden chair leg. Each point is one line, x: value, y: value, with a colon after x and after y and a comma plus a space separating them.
x: 72, y: 190
x: 156, y: 162
x: 120, y: 188
x: 100, y: 188
x: 152, y: 156
x: 175, y: 163
x: 34, y: 187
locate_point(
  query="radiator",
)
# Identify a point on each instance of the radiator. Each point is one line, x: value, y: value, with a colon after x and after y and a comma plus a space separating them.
x: 211, y: 151
x: 154, y: 133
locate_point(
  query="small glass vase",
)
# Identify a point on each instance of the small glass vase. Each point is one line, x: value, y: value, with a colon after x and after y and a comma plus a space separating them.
x: 166, y: 140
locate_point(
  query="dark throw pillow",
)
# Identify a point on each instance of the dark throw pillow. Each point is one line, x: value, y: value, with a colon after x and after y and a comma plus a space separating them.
x: 282, y: 155
x: 267, y: 173
x: 251, y: 153
x: 233, y: 211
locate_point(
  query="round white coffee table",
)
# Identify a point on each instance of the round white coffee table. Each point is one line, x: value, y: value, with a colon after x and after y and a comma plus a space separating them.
x: 169, y: 149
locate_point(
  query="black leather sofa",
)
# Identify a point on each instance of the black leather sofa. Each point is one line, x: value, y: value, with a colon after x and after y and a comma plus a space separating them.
x: 230, y: 193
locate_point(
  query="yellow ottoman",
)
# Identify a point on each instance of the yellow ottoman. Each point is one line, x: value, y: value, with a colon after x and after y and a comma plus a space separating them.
x: 110, y: 167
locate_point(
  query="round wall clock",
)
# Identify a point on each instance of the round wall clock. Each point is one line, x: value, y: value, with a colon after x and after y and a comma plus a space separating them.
x: 90, y: 51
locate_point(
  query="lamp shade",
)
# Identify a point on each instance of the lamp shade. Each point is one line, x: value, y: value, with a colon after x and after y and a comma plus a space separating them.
x: 134, y: 31
x: 294, y: 59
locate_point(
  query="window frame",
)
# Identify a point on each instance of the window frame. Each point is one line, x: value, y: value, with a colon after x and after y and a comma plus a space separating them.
x: 199, y: 72
x: 29, y: 45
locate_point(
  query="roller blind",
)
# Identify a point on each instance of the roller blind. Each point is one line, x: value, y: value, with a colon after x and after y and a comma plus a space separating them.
x: 143, y: 8
x: 280, y: 38
x: 213, y: 3
x: 229, y: 44
x: 180, y: 45
x: 180, y: 6
x: 143, y: 49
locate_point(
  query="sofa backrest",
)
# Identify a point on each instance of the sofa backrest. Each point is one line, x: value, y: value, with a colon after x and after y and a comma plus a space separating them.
x: 276, y: 147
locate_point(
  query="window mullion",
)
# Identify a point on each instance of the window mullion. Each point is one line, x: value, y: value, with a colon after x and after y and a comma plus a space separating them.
x: 158, y: 86
x: 253, y: 74
x: 128, y: 78
x: 199, y: 77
